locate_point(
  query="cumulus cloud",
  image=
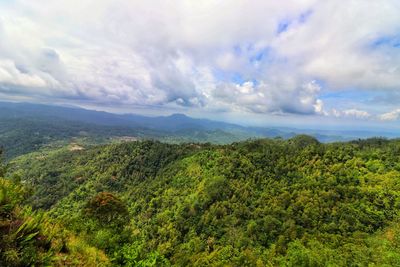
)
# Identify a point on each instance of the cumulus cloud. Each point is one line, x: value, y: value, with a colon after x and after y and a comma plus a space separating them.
x: 352, y: 113
x: 240, y: 56
x: 356, y: 113
x: 390, y: 116
x: 11, y: 74
x: 347, y: 45
x: 264, y: 98
x: 365, y: 115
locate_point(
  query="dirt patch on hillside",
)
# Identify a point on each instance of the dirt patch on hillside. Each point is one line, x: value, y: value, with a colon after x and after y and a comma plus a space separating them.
x: 75, y: 147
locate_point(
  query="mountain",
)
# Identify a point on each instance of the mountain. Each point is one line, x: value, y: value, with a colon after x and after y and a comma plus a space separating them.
x: 267, y: 202
x: 20, y: 135
x: 172, y: 123
x: 26, y: 127
x: 112, y: 195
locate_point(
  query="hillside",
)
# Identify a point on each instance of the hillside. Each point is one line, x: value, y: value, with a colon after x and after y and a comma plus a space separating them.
x: 27, y: 134
x: 293, y: 202
x: 28, y: 127
x: 173, y: 122
x: 31, y: 238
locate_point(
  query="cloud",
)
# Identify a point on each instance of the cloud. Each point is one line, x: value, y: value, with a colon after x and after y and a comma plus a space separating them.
x: 12, y: 75
x: 356, y: 113
x: 352, y: 113
x: 264, y: 98
x: 390, y: 116
x: 336, y: 44
x: 219, y: 56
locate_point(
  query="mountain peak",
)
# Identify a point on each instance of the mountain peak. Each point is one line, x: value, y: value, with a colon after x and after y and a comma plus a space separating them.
x: 178, y: 116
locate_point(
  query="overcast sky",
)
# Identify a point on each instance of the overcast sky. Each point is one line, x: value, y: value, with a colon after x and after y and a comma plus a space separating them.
x: 261, y: 62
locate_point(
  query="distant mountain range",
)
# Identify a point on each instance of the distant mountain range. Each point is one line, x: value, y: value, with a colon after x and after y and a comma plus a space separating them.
x: 173, y: 122
x: 25, y: 127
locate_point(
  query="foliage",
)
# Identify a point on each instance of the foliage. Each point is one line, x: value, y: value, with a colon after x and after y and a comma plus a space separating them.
x: 269, y: 202
x: 19, y: 136
x: 30, y: 238
x: 107, y: 209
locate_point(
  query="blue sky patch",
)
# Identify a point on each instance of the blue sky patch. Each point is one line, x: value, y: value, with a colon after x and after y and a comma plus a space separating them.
x: 305, y: 16
x: 283, y: 26
x: 388, y: 41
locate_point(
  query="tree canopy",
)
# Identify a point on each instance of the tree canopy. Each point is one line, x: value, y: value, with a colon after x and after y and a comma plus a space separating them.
x: 267, y: 202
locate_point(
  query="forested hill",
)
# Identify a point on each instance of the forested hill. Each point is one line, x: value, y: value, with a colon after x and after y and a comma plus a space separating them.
x: 28, y: 127
x: 267, y: 202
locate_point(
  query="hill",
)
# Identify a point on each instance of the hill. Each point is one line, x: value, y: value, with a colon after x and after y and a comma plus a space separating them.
x: 31, y: 238
x: 293, y: 202
x: 173, y: 122
x: 26, y: 127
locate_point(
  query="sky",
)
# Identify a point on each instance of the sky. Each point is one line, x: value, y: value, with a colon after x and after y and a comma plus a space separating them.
x: 294, y: 62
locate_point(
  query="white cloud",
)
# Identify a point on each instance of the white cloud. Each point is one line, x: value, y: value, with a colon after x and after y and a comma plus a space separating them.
x: 356, y: 113
x: 336, y: 44
x: 266, y: 98
x: 352, y: 113
x: 214, y: 55
x: 390, y: 116
x: 319, y: 107
x: 10, y: 74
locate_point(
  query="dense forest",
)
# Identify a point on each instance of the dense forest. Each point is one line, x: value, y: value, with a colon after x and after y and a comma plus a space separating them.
x: 267, y: 202
x: 23, y: 135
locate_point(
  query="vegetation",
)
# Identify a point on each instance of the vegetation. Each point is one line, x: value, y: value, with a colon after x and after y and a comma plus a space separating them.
x: 31, y: 238
x: 26, y: 128
x: 24, y: 135
x: 28, y: 134
x: 268, y: 202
